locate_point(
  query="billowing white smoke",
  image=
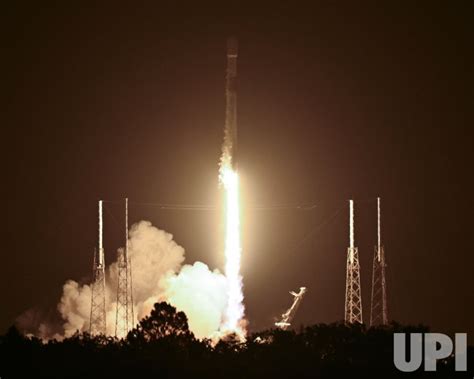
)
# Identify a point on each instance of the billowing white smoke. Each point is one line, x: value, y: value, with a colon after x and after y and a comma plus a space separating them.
x: 201, y: 294
x: 158, y: 275
x: 75, y: 307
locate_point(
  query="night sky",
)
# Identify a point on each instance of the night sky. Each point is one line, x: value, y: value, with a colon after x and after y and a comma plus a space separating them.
x: 335, y: 101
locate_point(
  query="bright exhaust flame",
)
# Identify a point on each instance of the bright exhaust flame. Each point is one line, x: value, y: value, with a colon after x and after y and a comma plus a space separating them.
x: 233, y: 322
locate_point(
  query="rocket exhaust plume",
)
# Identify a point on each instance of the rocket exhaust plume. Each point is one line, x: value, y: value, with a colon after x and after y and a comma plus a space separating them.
x: 212, y: 302
x: 234, y: 314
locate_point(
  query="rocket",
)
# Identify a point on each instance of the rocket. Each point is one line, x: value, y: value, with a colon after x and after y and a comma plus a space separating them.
x: 230, y: 139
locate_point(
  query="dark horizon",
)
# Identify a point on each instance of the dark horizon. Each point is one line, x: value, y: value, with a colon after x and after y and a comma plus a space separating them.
x: 334, y: 103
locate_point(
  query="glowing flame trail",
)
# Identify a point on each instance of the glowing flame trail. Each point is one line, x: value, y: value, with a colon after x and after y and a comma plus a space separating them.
x: 235, y: 309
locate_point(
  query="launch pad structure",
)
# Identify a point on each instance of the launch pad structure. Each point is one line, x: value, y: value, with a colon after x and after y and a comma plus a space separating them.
x: 124, y: 317
x: 353, y: 303
x: 378, y: 299
x: 98, y: 323
x: 289, y: 315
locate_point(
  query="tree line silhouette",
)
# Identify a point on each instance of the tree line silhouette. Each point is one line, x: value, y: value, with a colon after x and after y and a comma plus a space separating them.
x: 162, y: 346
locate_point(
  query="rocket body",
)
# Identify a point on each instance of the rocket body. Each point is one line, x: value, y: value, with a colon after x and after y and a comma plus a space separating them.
x: 230, y: 139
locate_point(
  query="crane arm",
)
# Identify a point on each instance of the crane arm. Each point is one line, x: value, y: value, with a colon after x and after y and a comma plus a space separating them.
x: 288, y: 316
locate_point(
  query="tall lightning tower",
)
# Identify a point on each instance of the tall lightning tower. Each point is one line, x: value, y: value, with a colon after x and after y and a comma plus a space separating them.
x: 378, y: 300
x: 98, y: 319
x: 353, y: 305
x: 124, y: 314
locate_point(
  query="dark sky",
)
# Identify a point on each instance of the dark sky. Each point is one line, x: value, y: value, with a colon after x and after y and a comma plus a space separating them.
x: 334, y: 102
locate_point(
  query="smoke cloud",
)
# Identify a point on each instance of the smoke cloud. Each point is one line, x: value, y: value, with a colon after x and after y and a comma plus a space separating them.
x: 158, y: 275
x: 74, y: 307
x: 201, y: 294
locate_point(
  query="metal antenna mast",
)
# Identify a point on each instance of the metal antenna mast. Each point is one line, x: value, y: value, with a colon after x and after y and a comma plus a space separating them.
x: 124, y: 315
x: 98, y: 314
x: 353, y: 304
x: 378, y: 301
x: 288, y: 316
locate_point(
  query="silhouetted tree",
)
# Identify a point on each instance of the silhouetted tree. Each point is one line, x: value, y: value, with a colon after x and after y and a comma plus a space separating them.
x: 162, y: 346
x: 162, y: 322
x: 229, y: 344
